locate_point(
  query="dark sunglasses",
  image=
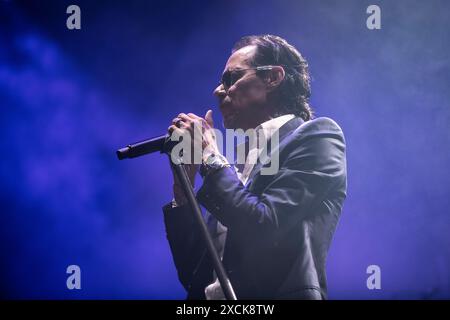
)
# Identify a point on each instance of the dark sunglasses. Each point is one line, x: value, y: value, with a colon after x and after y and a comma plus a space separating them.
x: 230, y: 77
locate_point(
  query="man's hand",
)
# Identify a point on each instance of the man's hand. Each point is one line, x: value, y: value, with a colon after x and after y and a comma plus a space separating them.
x: 197, y: 128
x: 204, y: 136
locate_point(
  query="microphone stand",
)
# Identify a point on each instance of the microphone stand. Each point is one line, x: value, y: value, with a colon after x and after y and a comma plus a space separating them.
x: 164, y: 144
x: 182, y: 176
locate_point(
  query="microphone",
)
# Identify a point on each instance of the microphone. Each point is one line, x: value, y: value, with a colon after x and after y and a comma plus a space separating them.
x: 161, y: 143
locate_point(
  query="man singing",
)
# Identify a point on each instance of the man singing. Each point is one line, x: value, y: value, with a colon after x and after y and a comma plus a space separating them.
x: 273, y: 231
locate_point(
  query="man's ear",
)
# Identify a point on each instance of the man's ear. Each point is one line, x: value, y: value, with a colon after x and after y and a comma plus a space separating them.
x: 274, y: 77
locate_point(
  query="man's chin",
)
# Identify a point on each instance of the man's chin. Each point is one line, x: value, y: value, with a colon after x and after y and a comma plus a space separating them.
x: 226, y: 125
x: 229, y: 123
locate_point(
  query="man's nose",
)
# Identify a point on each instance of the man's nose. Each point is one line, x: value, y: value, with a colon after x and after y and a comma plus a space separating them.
x: 220, y: 92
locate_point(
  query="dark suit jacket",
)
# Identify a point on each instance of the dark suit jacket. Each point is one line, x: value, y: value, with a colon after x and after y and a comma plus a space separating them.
x: 279, y: 226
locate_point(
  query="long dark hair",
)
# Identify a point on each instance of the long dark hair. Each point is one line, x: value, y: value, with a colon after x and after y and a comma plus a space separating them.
x: 294, y: 91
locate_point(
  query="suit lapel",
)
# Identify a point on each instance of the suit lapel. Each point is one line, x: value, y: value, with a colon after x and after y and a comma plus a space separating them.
x: 283, y: 132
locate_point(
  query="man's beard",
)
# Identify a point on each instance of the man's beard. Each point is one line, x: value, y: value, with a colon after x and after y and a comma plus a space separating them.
x: 240, y: 119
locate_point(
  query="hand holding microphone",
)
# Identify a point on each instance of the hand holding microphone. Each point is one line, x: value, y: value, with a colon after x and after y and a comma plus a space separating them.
x: 186, y: 124
x: 163, y: 143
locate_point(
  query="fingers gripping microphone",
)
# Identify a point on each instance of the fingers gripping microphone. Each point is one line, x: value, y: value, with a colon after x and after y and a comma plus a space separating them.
x: 162, y: 144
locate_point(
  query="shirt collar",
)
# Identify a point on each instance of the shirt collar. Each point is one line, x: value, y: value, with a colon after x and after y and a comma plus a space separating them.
x: 270, y: 126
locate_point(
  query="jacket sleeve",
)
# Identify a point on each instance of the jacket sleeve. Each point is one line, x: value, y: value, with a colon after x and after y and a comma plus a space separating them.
x: 314, y: 164
x: 185, y: 242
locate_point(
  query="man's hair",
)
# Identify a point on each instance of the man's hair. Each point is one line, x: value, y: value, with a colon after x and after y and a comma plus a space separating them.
x: 294, y: 91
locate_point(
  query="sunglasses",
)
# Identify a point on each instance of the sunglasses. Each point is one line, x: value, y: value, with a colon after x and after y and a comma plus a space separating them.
x: 230, y: 77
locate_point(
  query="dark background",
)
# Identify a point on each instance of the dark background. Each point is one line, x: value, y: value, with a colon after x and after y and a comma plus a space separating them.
x: 70, y: 98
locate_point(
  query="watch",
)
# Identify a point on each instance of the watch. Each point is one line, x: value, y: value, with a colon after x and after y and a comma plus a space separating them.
x: 212, y: 163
